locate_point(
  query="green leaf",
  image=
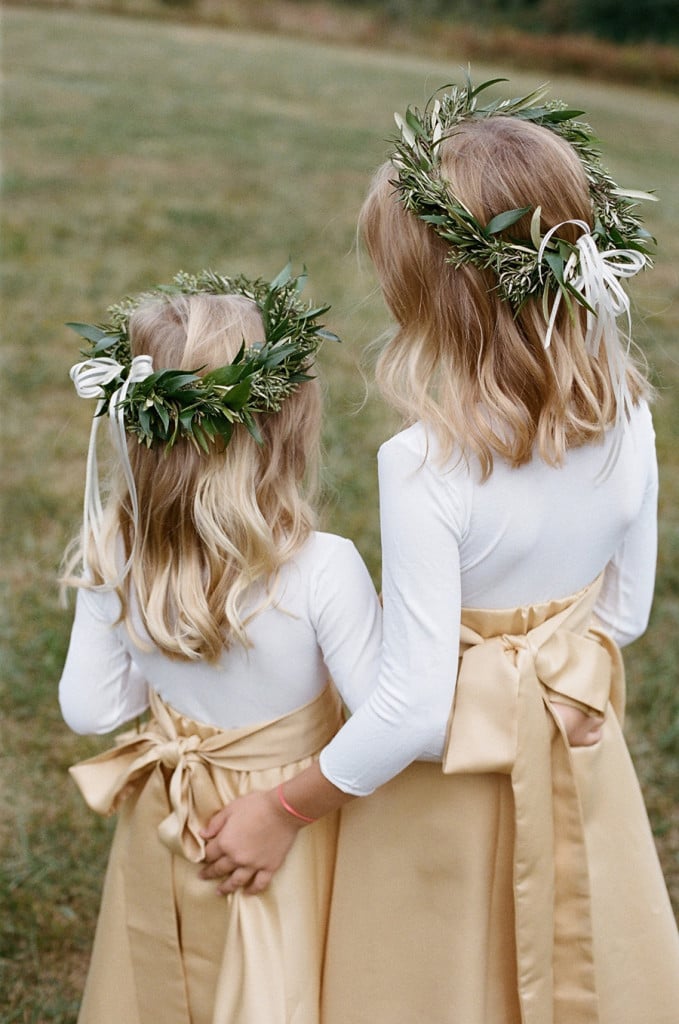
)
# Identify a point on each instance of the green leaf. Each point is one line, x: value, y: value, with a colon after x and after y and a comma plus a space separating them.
x: 556, y: 116
x: 186, y: 419
x: 252, y: 427
x: 504, y: 220
x: 172, y: 379
x: 164, y: 417
x: 485, y: 85
x: 413, y: 121
x: 282, y: 278
x: 556, y: 264
x: 238, y: 395
x: 327, y: 335
x: 92, y: 333
x: 225, y: 376
x: 535, y: 227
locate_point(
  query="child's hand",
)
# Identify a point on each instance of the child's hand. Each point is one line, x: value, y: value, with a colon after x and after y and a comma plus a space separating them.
x: 247, y: 841
x: 582, y: 730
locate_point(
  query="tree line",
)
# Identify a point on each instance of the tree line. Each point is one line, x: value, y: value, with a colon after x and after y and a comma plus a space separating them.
x: 618, y: 20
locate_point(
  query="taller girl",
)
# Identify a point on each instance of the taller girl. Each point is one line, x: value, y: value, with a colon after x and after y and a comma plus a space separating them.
x: 507, y: 873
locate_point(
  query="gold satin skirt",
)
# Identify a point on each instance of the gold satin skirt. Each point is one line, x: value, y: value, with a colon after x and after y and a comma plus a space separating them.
x: 520, y: 884
x: 168, y: 949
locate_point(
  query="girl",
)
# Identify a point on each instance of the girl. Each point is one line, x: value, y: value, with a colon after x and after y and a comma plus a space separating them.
x: 504, y: 872
x: 209, y: 597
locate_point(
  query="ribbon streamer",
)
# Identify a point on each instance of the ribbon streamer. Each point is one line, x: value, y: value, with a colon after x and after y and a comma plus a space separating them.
x: 597, y: 277
x: 89, y: 378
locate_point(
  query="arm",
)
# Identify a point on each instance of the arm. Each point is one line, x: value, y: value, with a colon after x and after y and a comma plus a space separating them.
x: 100, y: 687
x: 406, y: 715
x: 249, y: 839
x: 624, y: 604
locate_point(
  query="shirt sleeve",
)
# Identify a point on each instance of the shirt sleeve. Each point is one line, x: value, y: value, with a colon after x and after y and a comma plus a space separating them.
x: 406, y: 715
x: 347, y: 617
x: 100, y: 688
x: 624, y: 603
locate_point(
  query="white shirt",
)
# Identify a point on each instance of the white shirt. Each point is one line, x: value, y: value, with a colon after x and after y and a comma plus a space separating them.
x: 326, y: 622
x: 524, y: 536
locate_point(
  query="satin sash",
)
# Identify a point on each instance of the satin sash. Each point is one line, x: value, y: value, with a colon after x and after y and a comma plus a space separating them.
x: 513, y: 664
x: 173, y: 776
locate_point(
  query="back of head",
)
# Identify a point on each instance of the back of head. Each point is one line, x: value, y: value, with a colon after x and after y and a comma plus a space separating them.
x: 462, y: 359
x: 210, y: 523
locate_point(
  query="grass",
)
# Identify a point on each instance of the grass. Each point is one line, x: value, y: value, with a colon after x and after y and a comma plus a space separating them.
x: 133, y: 148
x: 478, y: 38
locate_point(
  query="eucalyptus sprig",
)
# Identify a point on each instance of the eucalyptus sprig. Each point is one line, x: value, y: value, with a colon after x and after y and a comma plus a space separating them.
x: 170, y: 403
x: 523, y: 267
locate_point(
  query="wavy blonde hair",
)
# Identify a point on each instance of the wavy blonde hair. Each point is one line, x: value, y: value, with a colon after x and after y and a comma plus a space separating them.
x: 209, y: 525
x: 460, y: 359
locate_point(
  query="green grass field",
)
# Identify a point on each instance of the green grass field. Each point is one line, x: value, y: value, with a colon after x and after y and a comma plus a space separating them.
x: 133, y: 149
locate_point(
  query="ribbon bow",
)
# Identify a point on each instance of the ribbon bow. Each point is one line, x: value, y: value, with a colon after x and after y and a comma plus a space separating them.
x: 513, y: 665
x: 596, y: 276
x: 89, y: 378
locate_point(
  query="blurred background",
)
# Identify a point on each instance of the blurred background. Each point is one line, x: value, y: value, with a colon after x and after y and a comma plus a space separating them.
x: 141, y: 137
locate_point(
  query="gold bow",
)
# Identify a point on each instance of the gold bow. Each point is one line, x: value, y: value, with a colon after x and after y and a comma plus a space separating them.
x: 164, y: 751
x: 173, y: 776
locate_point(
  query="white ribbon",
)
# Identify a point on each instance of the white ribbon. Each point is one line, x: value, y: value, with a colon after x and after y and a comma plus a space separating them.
x: 597, y: 277
x: 89, y: 377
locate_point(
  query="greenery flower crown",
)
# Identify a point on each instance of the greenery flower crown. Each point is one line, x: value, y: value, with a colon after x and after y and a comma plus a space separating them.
x: 523, y: 267
x: 164, y: 405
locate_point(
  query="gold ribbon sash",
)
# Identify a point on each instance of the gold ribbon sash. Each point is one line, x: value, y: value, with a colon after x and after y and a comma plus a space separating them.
x: 173, y: 776
x: 189, y: 752
x: 513, y: 664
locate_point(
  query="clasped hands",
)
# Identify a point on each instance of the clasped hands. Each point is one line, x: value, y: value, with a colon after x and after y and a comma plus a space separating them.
x: 247, y: 841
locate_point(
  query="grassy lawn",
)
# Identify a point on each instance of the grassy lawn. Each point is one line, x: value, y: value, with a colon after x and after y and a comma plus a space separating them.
x: 133, y: 149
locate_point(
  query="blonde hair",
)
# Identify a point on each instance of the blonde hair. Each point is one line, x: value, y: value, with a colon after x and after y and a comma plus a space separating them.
x: 460, y: 359
x: 209, y: 525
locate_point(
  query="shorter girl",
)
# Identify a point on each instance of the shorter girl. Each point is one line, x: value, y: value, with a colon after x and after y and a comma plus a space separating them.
x: 208, y: 597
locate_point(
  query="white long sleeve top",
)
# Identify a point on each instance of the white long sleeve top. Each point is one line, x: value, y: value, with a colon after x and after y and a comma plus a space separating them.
x: 524, y: 536
x: 326, y: 622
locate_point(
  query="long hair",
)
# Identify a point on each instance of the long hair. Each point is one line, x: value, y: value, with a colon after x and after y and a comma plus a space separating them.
x: 460, y: 359
x: 210, y: 525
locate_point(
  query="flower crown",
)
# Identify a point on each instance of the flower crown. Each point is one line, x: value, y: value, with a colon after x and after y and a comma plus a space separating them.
x: 524, y: 267
x: 164, y: 405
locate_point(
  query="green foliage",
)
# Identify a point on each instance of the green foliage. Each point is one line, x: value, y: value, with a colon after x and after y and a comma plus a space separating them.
x: 171, y: 404
x: 524, y: 267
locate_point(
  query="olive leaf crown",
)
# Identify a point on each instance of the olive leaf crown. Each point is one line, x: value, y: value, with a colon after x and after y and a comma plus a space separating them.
x: 164, y: 405
x: 523, y: 267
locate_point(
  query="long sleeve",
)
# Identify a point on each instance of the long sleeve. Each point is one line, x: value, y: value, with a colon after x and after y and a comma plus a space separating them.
x: 405, y: 717
x: 347, y: 618
x: 523, y: 536
x: 100, y: 687
x: 624, y: 604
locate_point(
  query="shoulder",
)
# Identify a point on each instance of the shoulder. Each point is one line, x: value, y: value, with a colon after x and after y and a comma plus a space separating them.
x: 412, y: 443
x: 417, y: 483
x: 413, y: 458
x: 332, y: 572
x: 641, y: 424
x: 324, y: 554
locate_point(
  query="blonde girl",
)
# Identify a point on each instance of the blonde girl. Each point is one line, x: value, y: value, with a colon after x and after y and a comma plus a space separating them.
x: 503, y: 870
x: 209, y: 598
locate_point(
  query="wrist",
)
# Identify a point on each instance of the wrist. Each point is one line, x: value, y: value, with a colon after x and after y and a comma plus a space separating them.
x: 291, y: 813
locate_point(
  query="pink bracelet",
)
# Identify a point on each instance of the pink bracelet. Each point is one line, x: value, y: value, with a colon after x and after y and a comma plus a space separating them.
x: 291, y: 810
